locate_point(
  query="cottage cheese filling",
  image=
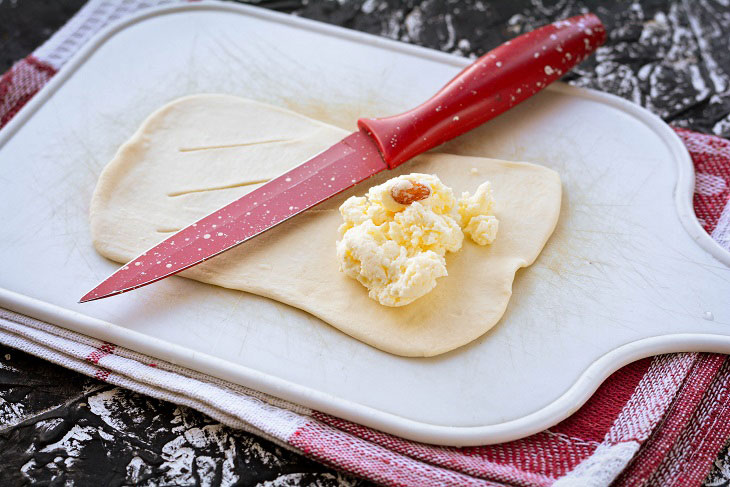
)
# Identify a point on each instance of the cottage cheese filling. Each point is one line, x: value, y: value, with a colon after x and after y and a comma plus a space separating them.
x: 394, y: 239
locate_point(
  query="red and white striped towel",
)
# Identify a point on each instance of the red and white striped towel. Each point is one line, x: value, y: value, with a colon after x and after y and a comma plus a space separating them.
x: 659, y: 421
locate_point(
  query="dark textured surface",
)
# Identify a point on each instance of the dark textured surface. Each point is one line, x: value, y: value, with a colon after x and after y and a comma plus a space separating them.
x: 25, y: 24
x: 60, y: 428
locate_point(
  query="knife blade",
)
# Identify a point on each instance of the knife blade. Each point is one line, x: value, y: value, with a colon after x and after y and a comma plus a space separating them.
x: 494, y: 83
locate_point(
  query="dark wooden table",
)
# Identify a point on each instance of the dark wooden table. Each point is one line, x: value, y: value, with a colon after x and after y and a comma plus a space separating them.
x: 61, y: 428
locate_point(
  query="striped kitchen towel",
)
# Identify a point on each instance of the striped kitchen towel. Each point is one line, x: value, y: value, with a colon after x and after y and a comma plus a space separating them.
x: 657, y: 422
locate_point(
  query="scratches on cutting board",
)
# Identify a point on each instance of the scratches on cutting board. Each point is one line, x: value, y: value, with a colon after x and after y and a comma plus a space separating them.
x: 218, y: 188
x: 231, y: 146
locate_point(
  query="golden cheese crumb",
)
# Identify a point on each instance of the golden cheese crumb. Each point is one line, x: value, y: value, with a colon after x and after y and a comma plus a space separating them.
x: 476, y: 215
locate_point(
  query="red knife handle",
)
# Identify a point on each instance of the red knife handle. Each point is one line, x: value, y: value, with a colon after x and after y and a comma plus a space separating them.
x: 494, y: 83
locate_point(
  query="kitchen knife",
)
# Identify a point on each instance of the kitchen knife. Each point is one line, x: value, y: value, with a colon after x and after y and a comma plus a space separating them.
x: 494, y: 83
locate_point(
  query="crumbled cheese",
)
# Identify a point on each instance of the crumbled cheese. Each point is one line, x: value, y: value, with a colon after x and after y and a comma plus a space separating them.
x: 397, y: 250
x: 482, y: 229
x: 475, y: 214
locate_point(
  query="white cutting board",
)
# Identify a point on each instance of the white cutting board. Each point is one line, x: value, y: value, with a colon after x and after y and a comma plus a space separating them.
x: 627, y: 274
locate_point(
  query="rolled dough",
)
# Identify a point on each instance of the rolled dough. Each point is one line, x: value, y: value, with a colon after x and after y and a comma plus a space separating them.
x: 201, y: 152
